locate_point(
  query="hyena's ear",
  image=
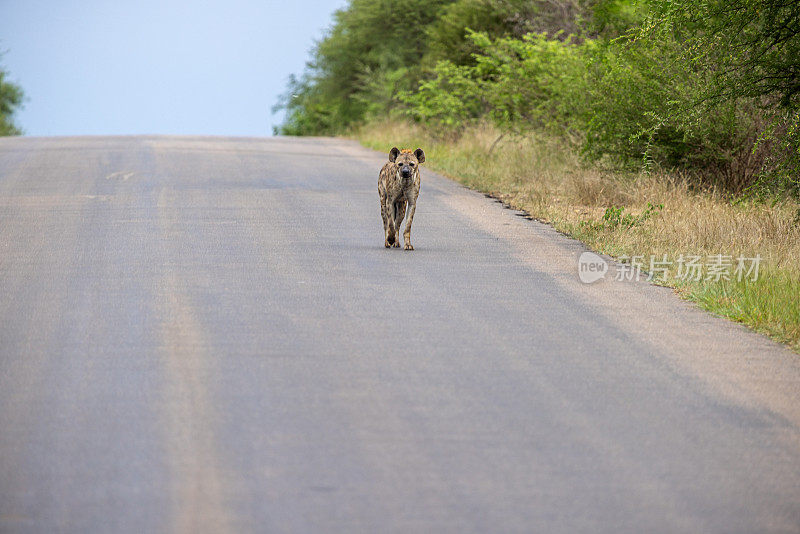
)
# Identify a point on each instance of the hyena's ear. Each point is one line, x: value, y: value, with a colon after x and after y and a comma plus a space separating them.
x: 420, y: 155
x: 393, y: 153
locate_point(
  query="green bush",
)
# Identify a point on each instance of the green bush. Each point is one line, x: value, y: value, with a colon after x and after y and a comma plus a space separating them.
x: 11, y: 97
x: 518, y: 85
x: 631, y: 101
x: 449, y: 101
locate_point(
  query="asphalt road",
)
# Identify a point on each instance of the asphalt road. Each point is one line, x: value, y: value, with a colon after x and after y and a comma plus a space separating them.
x: 207, y: 335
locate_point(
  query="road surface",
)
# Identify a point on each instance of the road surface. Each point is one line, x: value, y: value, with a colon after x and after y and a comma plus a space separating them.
x: 204, y: 334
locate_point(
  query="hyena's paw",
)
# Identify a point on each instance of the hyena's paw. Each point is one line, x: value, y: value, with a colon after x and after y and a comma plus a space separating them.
x: 387, y: 245
x: 396, y: 244
x: 409, y: 247
x: 390, y: 241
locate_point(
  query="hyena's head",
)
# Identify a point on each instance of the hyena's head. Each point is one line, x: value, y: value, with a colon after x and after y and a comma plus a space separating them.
x: 406, y: 162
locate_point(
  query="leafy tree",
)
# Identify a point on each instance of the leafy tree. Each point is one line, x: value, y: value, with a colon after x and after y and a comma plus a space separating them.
x: 750, y: 53
x: 558, y: 19
x: 372, y: 51
x: 752, y: 46
x: 11, y: 97
x: 448, y: 35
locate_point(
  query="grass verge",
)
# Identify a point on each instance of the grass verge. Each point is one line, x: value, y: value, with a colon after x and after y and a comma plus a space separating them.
x: 635, y: 216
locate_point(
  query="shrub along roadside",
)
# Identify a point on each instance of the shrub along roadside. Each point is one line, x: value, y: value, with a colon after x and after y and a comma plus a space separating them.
x: 633, y: 103
x: 11, y: 98
x: 630, y: 214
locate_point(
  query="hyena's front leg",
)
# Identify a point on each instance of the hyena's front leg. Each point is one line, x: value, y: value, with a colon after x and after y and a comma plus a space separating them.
x: 412, y: 207
x: 385, y: 217
x: 388, y: 225
x: 400, y: 212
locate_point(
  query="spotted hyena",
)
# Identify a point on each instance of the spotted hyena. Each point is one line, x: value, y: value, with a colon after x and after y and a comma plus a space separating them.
x: 398, y: 185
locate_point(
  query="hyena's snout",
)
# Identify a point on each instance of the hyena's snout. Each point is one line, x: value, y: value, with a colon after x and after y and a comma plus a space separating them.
x: 405, y: 171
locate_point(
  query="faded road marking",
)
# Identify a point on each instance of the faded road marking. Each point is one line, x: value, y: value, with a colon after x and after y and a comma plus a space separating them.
x: 121, y: 175
x: 198, y: 482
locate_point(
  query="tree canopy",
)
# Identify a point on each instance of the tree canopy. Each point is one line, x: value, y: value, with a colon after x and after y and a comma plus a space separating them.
x: 11, y: 97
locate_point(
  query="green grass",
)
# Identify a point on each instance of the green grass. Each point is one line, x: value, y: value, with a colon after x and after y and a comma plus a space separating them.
x: 770, y: 305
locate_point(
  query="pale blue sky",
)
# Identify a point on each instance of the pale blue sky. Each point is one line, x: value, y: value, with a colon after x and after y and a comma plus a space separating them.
x: 212, y: 67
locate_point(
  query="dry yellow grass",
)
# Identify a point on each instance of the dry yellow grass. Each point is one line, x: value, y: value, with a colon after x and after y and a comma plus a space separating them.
x: 548, y: 179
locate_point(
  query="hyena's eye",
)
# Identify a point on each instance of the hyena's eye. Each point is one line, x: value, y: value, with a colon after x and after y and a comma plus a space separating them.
x: 411, y: 164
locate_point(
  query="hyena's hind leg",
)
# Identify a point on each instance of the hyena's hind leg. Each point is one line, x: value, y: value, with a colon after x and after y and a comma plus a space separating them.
x: 400, y: 212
